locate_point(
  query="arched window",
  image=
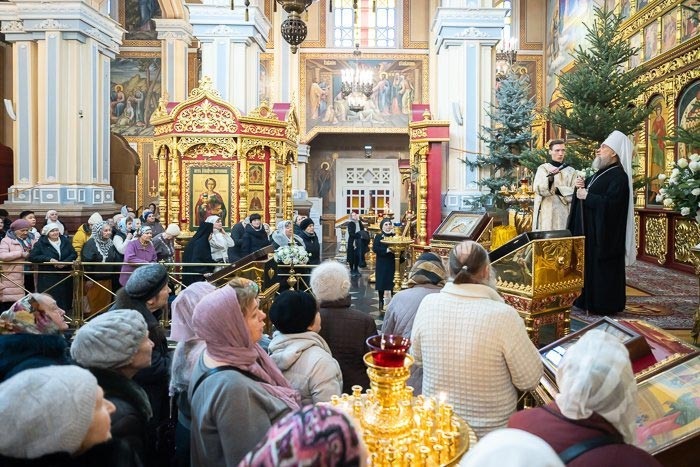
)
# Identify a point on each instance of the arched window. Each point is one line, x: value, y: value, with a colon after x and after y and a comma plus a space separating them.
x: 370, y: 23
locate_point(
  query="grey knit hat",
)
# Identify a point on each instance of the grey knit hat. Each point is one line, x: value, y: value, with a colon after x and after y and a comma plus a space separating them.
x: 146, y: 281
x: 46, y: 410
x: 110, y: 340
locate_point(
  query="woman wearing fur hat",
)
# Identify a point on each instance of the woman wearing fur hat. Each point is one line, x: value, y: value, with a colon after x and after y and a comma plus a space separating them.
x: 99, y: 249
x: 31, y: 335
x: 140, y: 251
x: 58, y: 417
x: 189, y: 349
x: 255, y: 236
x: 311, y: 243
x: 385, y: 262
x: 234, y: 406
x: 15, y: 246
x: 219, y: 241
x: 198, y: 251
x: 84, y: 231
x: 114, y: 347
x: 300, y: 353
x: 345, y: 329
x: 427, y: 276
x: 55, y: 279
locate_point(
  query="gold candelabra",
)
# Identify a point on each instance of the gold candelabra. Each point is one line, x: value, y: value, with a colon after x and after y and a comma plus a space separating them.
x: 399, y: 429
x: 521, y: 199
x: 397, y: 244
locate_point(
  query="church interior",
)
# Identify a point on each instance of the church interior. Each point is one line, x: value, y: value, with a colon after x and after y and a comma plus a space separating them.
x: 351, y: 115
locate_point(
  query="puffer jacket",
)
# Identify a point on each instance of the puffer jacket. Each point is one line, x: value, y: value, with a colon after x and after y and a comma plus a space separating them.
x: 12, y: 277
x: 306, y: 361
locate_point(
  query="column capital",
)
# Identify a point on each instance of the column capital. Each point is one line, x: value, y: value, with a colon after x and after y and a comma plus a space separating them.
x: 31, y: 20
x: 174, y: 30
x: 212, y: 22
x: 459, y: 25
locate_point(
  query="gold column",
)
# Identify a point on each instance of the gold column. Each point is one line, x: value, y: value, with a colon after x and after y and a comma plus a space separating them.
x: 175, y: 177
x: 422, y: 194
x: 272, y: 190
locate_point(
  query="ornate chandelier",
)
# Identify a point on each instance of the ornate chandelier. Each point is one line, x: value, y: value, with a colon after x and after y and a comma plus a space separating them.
x: 357, y: 83
x: 294, y: 28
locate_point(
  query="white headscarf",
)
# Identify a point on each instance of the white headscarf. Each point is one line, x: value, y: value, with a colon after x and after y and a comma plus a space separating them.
x: 512, y: 448
x: 596, y: 376
x: 622, y: 146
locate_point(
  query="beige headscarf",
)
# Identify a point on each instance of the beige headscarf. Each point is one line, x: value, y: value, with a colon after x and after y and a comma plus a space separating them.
x: 622, y: 146
x: 596, y: 377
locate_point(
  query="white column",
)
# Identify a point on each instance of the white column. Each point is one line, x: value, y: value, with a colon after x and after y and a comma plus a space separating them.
x: 299, y: 172
x: 463, y: 41
x: 176, y: 37
x: 231, y: 48
x: 61, y: 63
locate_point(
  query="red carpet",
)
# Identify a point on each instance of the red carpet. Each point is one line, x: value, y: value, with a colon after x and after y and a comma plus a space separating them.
x: 671, y: 301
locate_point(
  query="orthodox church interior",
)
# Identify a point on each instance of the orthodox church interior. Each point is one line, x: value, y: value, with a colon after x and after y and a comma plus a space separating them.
x: 323, y: 108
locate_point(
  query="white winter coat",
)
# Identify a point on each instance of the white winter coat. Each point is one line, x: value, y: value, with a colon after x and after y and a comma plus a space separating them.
x: 306, y: 361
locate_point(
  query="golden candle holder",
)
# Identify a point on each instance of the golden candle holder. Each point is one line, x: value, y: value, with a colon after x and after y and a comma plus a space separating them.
x: 399, y: 429
x: 397, y: 244
x: 522, y: 199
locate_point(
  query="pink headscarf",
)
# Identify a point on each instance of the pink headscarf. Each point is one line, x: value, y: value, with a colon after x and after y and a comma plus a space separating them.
x: 219, y: 321
x: 314, y: 435
x: 183, y: 308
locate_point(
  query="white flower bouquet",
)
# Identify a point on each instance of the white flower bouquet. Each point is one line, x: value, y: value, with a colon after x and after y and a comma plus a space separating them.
x: 681, y: 190
x: 291, y: 254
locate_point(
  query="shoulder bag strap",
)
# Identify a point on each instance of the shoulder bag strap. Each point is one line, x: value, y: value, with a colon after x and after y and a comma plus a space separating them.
x: 217, y: 369
x: 572, y: 452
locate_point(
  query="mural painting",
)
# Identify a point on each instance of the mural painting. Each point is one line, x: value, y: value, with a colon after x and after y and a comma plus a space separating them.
x: 689, y: 115
x: 690, y: 19
x: 210, y: 194
x: 656, y: 145
x: 395, y: 85
x: 669, y: 25
x: 636, y: 43
x: 265, y: 82
x: 134, y: 94
x: 651, y: 45
x: 137, y: 18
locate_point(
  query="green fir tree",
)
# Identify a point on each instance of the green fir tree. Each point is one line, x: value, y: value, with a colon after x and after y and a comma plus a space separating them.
x: 600, y: 90
x: 510, y: 132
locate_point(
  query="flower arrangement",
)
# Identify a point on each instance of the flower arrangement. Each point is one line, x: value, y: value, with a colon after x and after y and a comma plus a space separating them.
x: 682, y: 188
x: 291, y: 254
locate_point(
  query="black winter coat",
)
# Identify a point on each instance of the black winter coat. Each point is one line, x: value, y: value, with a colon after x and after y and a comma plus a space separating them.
x: 253, y: 240
x: 26, y: 351
x: 312, y: 246
x: 49, y: 276
x: 113, y: 453
x: 385, y: 264
x: 356, y: 246
x: 91, y: 254
x: 129, y: 420
x: 236, y: 251
x: 155, y: 379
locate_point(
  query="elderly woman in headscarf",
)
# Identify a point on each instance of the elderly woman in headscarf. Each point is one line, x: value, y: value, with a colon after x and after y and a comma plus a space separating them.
x: 427, y: 276
x: 219, y: 241
x: 187, y: 352
x: 303, y: 438
x: 99, y: 249
x: 234, y: 379
x: 284, y: 235
x: 123, y: 234
x: 52, y: 218
x: 137, y: 252
x: 15, y: 246
x: 198, y: 251
x: 512, y: 448
x: 149, y: 218
x: 55, y: 279
x: 597, y: 403
x: 31, y: 335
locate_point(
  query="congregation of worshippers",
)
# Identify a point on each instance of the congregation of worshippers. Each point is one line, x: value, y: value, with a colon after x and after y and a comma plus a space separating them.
x: 216, y: 389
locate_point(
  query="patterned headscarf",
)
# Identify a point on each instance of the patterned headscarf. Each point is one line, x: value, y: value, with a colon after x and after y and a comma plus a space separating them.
x: 25, y: 317
x: 121, y: 225
x: 219, y: 321
x: 314, y: 435
x: 103, y: 245
x: 596, y: 376
x: 428, y: 269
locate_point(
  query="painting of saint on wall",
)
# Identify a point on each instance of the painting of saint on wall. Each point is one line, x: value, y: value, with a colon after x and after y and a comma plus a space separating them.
x: 394, y: 85
x: 636, y: 43
x: 255, y: 174
x: 668, y: 39
x: 689, y: 115
x: 210, y: 194
x: 136, y: 16
x: 668, y: 407
x: 690, y: 19
x: 651, y: 45
x: 565, y: 31
x: 134, y: 95
x: 256, y: 201
x: 656, y: 145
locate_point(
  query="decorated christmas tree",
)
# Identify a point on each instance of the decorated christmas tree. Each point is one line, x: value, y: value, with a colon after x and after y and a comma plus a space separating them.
x: 510, y: 132
x: 600, y: 90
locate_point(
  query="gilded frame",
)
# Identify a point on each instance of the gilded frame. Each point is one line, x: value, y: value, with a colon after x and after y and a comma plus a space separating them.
x: 229, y: 170
x: 460, y: 226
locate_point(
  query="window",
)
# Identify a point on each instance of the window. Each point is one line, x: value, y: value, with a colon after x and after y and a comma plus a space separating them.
x: 374, y: 25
